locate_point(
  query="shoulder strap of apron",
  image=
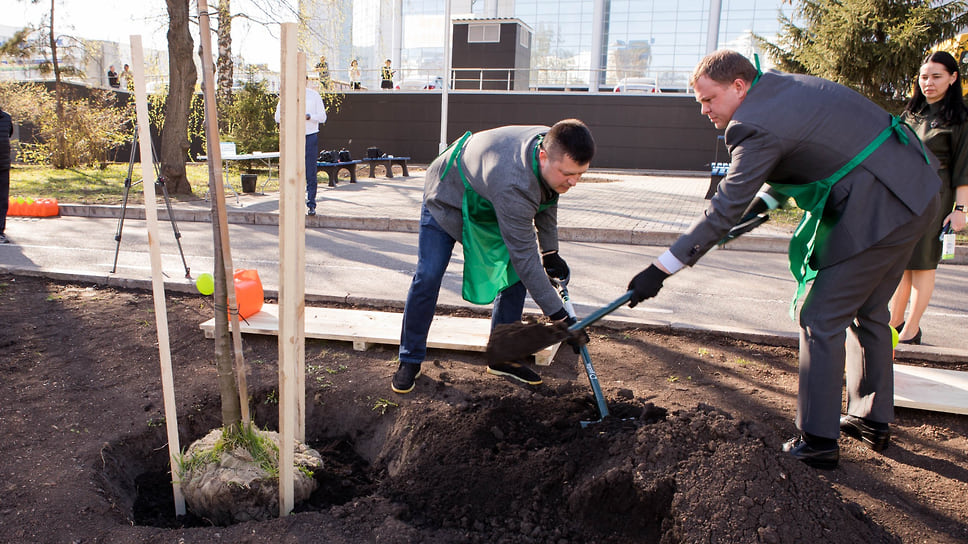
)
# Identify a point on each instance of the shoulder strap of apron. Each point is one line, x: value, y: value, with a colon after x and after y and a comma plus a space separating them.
x: 455, y: 149
x: 812, y: 198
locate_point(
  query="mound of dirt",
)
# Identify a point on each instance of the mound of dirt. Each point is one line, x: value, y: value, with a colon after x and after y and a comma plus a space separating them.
x: 690, y: 452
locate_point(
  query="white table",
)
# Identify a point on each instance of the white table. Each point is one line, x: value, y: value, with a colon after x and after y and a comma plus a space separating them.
x: 265, y: 158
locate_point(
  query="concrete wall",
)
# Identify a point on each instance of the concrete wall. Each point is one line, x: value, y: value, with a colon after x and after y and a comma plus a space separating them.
x: 652, y: 132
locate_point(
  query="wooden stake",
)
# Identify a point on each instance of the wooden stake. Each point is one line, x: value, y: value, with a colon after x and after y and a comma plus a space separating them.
x: 292, y: 259
x: 218, y: 198
x: 157, y: 281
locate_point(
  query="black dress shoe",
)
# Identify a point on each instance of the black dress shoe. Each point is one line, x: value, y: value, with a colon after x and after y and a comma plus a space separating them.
x: 877, y: 436
x: 822, y: 457
x: 914, y: 340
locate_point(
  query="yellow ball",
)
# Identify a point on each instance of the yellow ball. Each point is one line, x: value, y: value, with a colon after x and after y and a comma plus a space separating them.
x: 205, y: 284
x: 895, y: 337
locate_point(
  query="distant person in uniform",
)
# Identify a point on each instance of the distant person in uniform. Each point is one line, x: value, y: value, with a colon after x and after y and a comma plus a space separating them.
x: 356, y: 75
x: 322, y: 70
x: 127, y: 78
x: 386, y: 75
x: 113, y: 78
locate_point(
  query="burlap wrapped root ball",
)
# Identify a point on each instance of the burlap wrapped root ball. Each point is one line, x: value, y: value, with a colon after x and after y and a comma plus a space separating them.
x: 234, y: 488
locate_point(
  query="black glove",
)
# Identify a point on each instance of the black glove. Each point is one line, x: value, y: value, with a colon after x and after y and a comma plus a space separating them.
x: 555, y: 266
x: 576, y: 339
x: 646, y: 284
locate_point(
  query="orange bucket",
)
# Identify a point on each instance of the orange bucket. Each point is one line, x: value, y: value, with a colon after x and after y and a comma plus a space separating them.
x: 248, y: 292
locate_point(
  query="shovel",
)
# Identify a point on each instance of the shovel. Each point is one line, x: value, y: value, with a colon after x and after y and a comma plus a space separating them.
x: 512, y: 341
x: 519, y: 340
x: 585, y: 358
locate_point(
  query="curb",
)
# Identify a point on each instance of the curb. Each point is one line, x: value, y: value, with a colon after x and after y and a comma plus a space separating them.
x: 750, y: 242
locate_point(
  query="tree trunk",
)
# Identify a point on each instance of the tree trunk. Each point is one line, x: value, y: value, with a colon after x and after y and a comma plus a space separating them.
x: 59, y: 158
x: 181, y: 67
x: 227, y: 383
x: 224, y: 65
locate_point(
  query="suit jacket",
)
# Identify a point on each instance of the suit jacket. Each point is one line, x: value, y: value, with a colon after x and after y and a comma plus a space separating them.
x: 797, y: 129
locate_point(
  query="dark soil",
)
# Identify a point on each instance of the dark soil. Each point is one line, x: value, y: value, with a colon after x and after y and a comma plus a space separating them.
x: 690, y: 453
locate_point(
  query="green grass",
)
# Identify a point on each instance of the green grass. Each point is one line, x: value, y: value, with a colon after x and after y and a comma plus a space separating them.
x: 106, y: 186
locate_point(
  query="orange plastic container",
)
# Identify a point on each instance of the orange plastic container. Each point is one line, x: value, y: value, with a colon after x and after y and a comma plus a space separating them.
x: 47, y: 207
x: 28, y: 207
x: 248, y: 292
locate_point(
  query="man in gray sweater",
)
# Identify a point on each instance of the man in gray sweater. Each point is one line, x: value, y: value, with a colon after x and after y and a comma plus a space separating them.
x: 495, y: 192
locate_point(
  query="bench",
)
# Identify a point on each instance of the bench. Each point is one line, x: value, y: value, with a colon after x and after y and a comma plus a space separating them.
x: 388, y: 163
x: 332, y: 170
x: 717, y: 171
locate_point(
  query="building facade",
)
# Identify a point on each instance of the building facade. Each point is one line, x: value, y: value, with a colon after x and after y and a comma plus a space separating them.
x: 591, y: 44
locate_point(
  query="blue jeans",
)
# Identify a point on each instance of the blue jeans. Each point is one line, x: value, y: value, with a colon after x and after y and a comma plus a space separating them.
x: 434, y: 247
x: 312, y: 151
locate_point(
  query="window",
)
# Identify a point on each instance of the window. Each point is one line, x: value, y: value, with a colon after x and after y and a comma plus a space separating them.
x: 484, y: 33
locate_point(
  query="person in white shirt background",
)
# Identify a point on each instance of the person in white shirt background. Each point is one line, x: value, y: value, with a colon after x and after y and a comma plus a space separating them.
x: 315, y: 116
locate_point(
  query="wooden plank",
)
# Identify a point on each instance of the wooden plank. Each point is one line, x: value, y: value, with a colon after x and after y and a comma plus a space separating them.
x: 292, y: 173
x: 935, y: 389
x: 364, y: 328
x: 157, y: 281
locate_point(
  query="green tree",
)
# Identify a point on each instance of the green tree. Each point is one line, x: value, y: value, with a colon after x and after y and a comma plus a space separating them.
x: 23, y: 45
x: 873, y: 46
x: 251, y: 121
x: 87, y: 130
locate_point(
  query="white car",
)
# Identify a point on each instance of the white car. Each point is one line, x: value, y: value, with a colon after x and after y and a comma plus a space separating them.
x: 421, y: 83
x: 641, y: 85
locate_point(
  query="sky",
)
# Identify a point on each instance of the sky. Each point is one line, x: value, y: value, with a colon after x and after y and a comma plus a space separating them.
x: 117, y: 20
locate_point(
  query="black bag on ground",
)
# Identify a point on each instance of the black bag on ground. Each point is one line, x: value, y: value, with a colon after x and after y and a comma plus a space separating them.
x: 373, y: 152
x: 344, y: 155
x: 328, y: 156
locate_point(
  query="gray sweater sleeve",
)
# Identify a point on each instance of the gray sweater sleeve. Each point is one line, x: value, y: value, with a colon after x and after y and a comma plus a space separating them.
x: 498, y: 166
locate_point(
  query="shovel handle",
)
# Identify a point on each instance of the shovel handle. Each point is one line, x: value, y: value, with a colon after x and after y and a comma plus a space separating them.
x: 601, y: 312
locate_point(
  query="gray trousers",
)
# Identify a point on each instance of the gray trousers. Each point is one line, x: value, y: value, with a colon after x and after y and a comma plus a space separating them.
x: 844, y: 322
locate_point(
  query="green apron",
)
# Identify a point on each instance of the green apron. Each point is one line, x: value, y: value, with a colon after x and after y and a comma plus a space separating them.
x: 812, y: 198
x: 487, y: 262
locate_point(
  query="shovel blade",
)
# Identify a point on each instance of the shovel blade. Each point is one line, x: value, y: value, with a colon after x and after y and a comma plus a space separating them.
x: 515, y: 341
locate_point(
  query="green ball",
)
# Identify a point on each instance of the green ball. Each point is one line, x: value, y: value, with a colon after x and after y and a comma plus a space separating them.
x: 895, y: 337
x: 205, y: 284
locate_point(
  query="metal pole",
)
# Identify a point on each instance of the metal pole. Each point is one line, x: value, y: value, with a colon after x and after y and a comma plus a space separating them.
x: 598, y: 36
x: 712, y: 31
x: 444, y: 95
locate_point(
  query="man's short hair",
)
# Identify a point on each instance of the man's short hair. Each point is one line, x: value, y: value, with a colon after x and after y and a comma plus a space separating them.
x: 724, y: 66
x: 572, y: 138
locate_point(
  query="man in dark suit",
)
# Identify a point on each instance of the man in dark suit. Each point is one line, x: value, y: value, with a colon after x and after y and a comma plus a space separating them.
x: 6, y: 131
x: 872, y: 192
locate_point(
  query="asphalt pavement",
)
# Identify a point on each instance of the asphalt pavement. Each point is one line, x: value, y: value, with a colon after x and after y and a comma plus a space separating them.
x: 361, y: 248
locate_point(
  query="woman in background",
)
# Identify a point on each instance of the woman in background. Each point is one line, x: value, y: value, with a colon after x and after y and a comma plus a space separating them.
x: 937, y: 113
x: 356, y: 76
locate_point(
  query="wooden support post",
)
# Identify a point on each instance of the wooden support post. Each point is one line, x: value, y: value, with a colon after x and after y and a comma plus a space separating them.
x: 157, y: 281
x: 292, y: 259
x: 218, y: 198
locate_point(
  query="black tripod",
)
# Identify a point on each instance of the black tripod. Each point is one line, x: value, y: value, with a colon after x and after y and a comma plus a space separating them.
x: 159, y: 183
